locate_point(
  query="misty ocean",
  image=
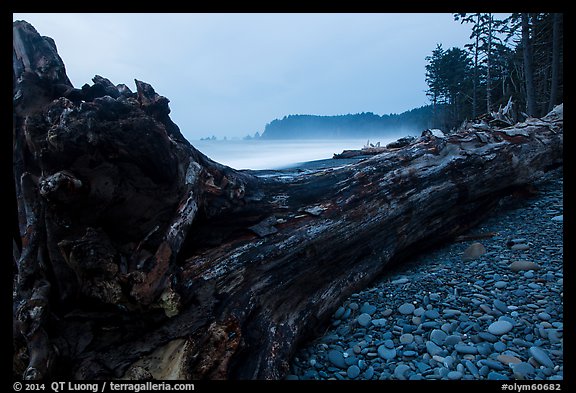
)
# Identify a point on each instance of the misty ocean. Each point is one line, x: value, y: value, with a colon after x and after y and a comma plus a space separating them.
x: 277, y: 154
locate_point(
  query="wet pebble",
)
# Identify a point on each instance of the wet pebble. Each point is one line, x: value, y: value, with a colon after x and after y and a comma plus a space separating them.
x: 364, y: 319
x: 353, y: 372
x: 386, y: 353
x: 541, y: 356
x: 406, y: 308
x: 499, y: 328
x: 401, y: 371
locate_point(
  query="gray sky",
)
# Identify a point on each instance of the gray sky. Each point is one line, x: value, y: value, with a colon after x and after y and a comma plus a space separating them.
x: 230, y: 74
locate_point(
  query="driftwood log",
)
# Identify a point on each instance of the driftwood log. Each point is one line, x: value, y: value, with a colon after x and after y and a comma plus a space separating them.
x: 136, y: 256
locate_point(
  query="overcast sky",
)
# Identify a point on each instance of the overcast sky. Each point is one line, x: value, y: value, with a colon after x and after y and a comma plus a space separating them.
x: 230, y: 74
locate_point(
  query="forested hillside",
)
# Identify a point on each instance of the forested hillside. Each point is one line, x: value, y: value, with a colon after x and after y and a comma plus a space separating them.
x: 359, y: 125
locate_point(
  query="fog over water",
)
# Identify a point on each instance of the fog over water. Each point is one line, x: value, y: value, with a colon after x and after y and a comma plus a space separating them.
x: 277, y: 154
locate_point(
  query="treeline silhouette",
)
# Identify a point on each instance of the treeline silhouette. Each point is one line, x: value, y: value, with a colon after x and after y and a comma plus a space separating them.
x: 359, y: 125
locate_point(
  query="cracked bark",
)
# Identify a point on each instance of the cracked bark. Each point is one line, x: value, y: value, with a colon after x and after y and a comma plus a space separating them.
x: 139, y: 257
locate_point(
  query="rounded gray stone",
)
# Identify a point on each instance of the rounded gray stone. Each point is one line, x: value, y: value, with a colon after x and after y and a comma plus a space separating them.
x: 419, y: 311
x: 347, y: 313
x: 488, y: 337
x: 434, y: 297
x: 368, y: 308
x: 474, y: 251
x: 471, y: 367
x: 386, y: 353
x: 350, y: 360
x: 500, y: 306
x: 353, y: 371
x: 448, y: 327
x: 460, y: 367
x: 484, y: 349
x: 336, y: 358
x: 442, y: 372
x: 499, y: 346
x: 500, y: 284
x: 522, y: 343
x: 339, y: 313
x: 432, y: 314
x: 369, y: 373
x: 448, y: 361
x: 493, y: 375
x: 499, y: 328
x: 438, y: 336
x: 401, y: 370
x: 406, y: 338
x: 544, y: 316
x: 430, y: 324
x: 454, y: 375
x: 406, y: 308
x: 421, y: 366
x: 520, y: 247
x: 432, y: 348
x: 493, y: 364
x: 466, y: 349
x: 554, y: 336
x: 364, y: 319
x: 452, y: 340
x: 507, y: 318
x: 518, y: 266
x: 541, y: 356
x: 379, y: 322
x: 450, y: 312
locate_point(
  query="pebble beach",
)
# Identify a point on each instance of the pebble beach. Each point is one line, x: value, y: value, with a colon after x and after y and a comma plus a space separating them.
x: 489, y: 308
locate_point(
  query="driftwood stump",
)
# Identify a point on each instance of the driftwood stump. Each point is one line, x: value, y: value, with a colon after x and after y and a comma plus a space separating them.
x: 136, y: 256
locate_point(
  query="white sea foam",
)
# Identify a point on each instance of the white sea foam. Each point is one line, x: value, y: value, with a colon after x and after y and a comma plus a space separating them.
x: 275, y: 154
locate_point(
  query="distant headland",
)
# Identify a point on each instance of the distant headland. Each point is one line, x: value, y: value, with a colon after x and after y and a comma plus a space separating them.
x: 359, y: 125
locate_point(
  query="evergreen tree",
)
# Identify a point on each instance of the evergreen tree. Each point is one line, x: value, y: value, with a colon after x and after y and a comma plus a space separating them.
x: 528, y: 65
x: 519, y: 57
x: 556, y: 51
x: 488, y: 50
x: 449, y: 78
x: 539, y: 59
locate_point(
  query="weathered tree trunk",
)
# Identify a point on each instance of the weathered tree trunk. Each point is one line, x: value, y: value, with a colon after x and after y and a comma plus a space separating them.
x: 475, y: 75
x: 488, y: 65
x: 556, y: 41
x: 528, y: 66
x: 139, y: 257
